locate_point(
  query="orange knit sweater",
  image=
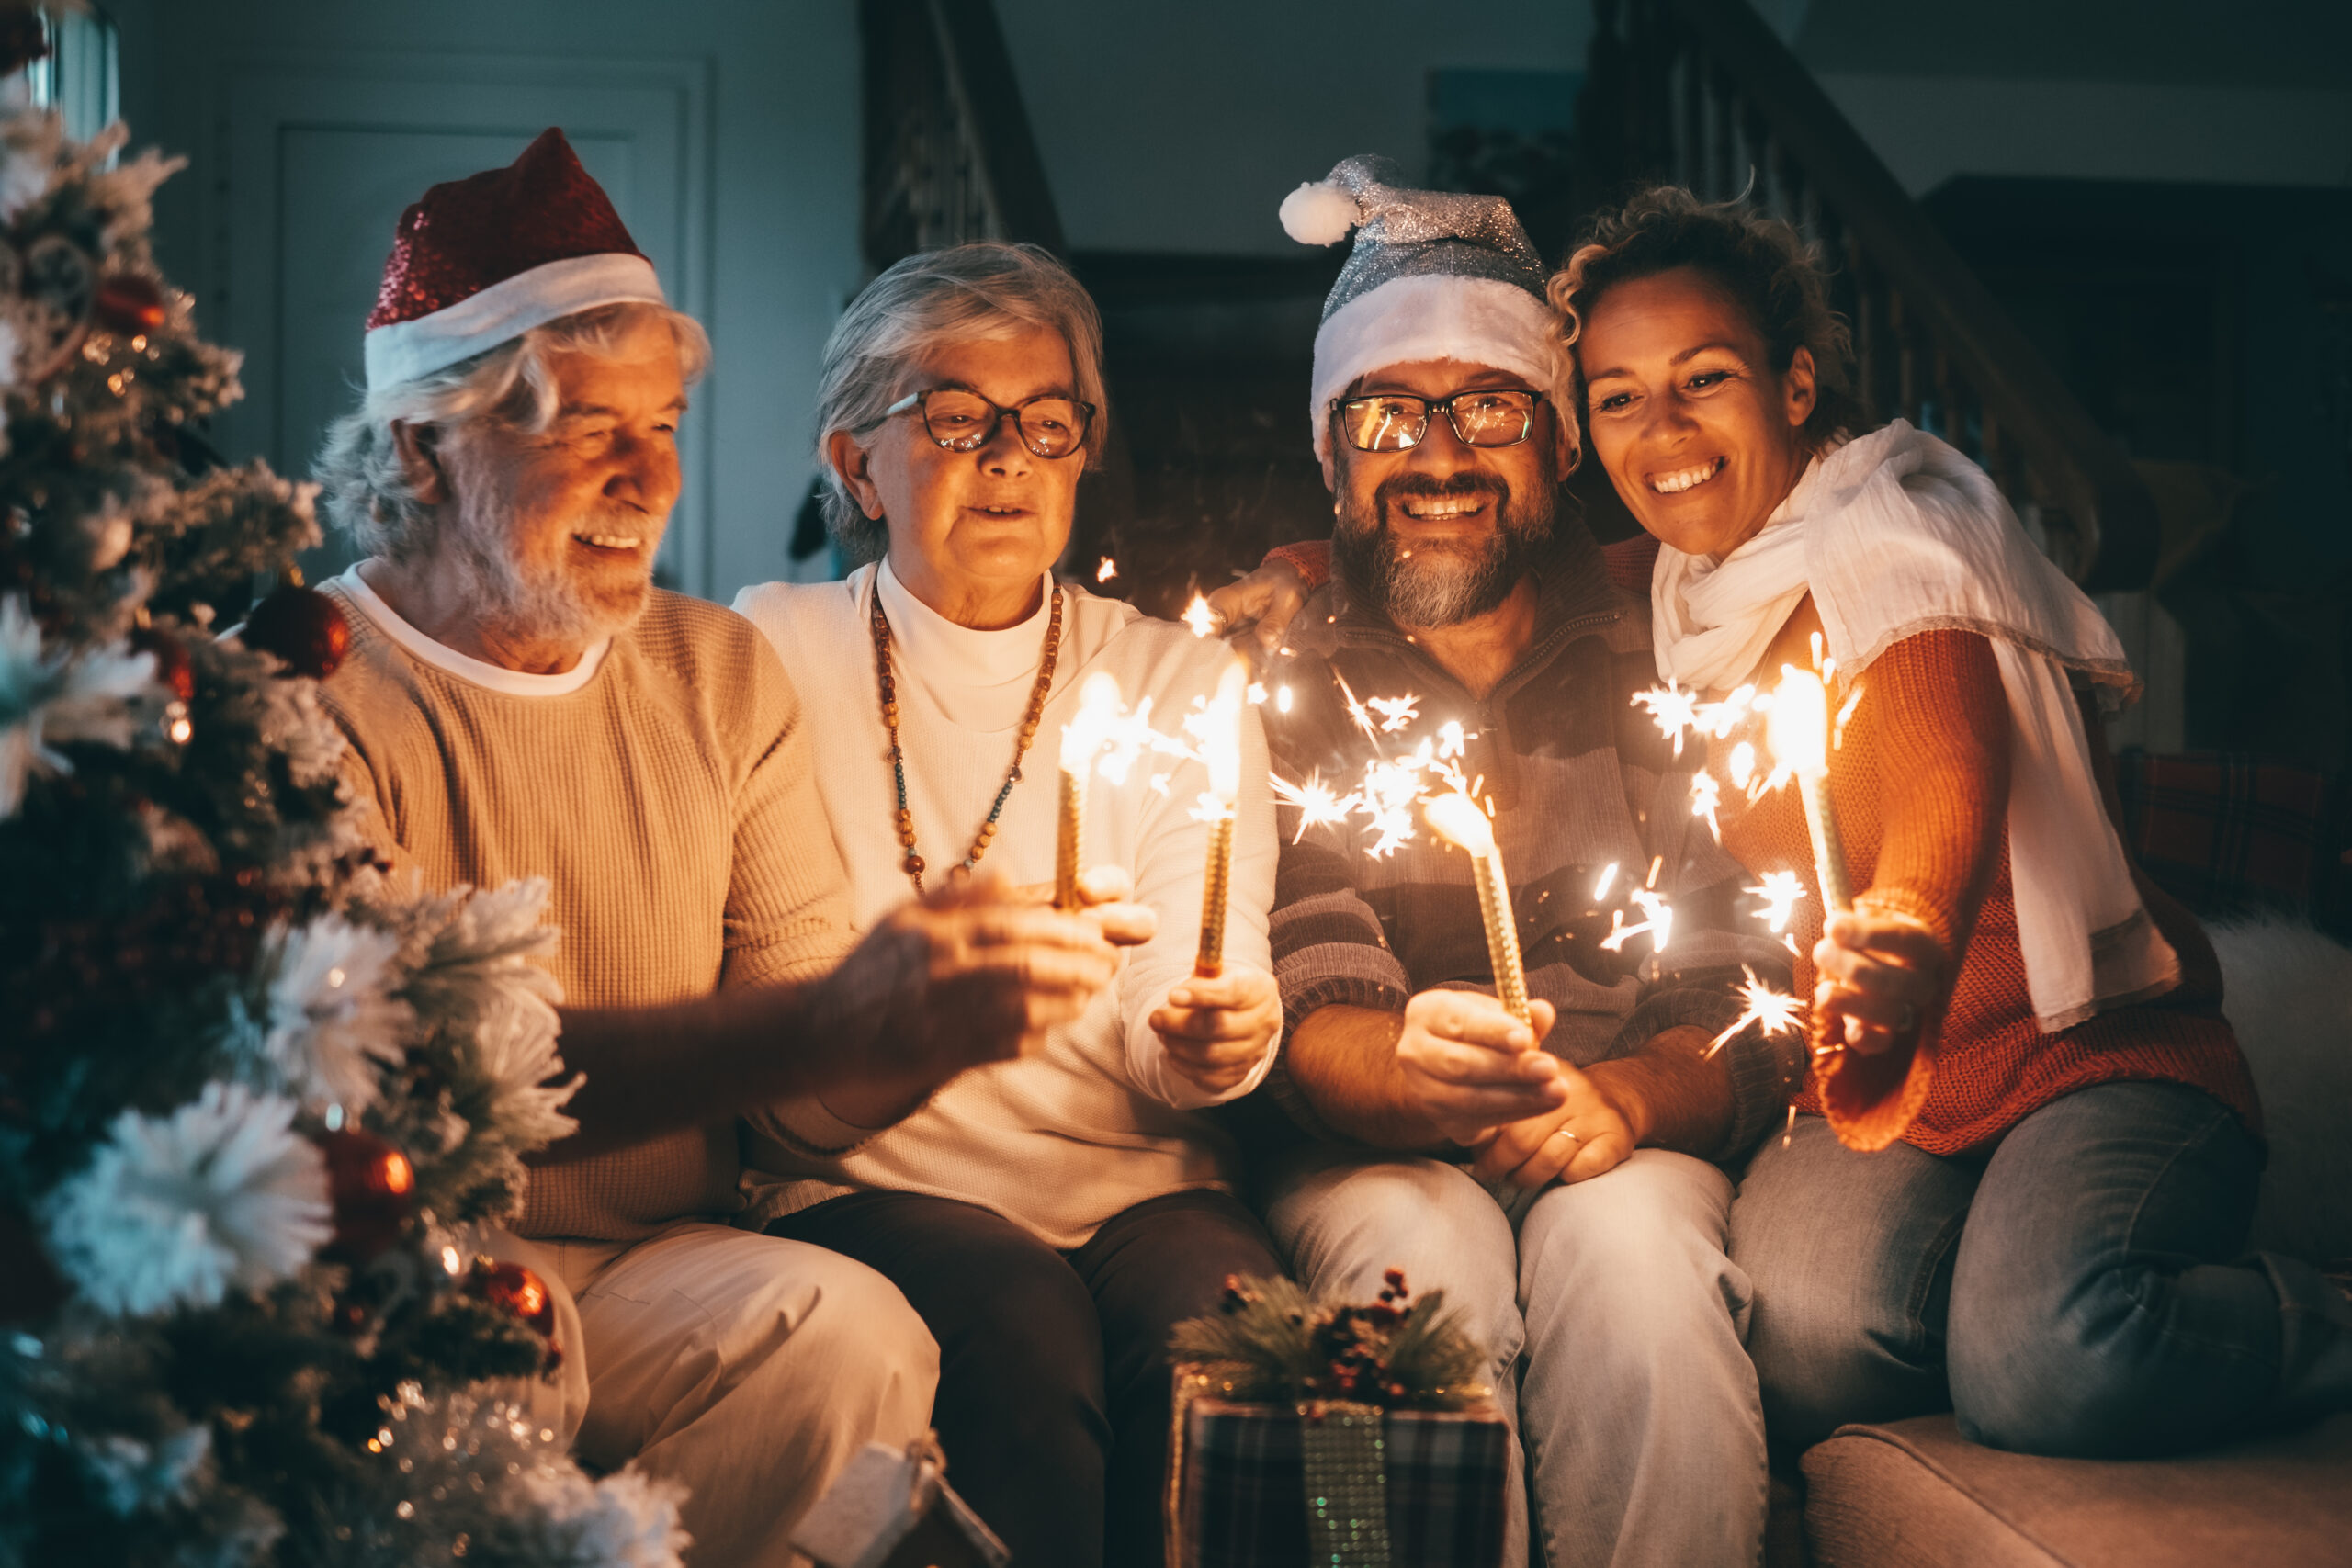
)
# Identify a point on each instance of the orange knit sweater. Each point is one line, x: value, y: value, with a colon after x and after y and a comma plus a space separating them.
x: 1921, y: 785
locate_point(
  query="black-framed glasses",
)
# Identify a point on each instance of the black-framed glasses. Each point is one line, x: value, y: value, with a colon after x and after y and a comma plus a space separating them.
x: 962, y: 421
x: 1397, y: 422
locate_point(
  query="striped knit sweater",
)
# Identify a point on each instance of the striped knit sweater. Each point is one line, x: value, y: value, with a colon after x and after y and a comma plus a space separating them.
x: 670, y: 798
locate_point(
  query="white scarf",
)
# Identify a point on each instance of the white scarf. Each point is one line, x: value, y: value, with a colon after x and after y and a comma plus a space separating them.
x: 1895, y: 534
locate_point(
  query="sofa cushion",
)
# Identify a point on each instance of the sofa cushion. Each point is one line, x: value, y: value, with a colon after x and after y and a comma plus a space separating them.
x: 1915, y: 1495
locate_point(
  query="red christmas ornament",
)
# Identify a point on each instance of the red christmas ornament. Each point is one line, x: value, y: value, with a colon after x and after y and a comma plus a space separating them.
x: 173, y: 667
x: 302, y: 626
x: 517, y: 1289
x: 128, y: 302
x: 371, y: 1184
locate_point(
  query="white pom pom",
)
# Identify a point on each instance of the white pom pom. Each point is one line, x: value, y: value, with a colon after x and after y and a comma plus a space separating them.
x: 1319, y: 213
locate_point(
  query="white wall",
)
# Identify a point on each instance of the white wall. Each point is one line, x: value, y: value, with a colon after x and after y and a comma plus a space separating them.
x: 783, y: 133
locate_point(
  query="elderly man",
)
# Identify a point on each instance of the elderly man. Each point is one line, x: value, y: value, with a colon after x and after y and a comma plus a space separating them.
x: 1554, y: 1176
x: 521, y: 703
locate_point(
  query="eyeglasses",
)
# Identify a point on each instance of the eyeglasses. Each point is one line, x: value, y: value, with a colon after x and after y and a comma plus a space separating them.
x: 1395, y: 421
x: 963, y: 420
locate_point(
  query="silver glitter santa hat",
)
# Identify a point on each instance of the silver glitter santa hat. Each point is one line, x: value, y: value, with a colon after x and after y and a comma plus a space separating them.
x: 1435, y: 274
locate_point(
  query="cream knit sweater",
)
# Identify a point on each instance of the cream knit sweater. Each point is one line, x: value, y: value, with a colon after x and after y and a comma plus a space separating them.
x: 1099, y: 1120
x: 664, y: 786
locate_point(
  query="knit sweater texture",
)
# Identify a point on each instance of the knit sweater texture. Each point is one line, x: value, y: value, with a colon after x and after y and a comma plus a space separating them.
x: 1099, y: 1120
x: 1919, y: 780
x: 671, y: 802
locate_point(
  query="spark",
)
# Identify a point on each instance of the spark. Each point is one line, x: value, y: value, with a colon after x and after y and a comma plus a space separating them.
x: 1657, y: 863
x: 1107, y: 570
x: 1319, y: 806
x: 1742, y: 766
x: 1776, y: 1012
x: 1844, y: 712
x: 1257, y: 693
x: 1396, y: 712
x: 1674, y: 710
x: 1199, y: 617
x: 1659, y: 924
x: 1356, y: 710
x: 1282, y: 698
x: 1607, y: 876
x: 1705, y: 795
x: 1779, y: 892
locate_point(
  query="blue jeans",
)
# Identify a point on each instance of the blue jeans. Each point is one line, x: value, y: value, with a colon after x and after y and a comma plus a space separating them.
x: 1613, y: 1319
x: 2081, y: 1291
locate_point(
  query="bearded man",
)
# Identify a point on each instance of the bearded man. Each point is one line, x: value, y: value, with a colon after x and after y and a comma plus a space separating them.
x: 1556, y: 1177
x: 520, y: 702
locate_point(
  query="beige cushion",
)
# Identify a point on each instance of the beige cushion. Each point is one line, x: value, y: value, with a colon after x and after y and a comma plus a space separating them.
x: 1915, y: 1495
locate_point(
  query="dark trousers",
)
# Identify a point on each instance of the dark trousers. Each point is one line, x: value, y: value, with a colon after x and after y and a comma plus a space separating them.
x: 1053, y: 1404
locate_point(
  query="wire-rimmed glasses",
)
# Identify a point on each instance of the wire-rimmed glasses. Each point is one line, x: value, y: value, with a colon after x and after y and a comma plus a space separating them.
x: 1397, y: 422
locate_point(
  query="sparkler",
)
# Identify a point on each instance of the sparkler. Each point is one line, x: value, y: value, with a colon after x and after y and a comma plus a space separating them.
x: 1777, y: 1011
x: 1799, y: 735
x: 1457, y: 820
x: 1220, y: 736
x: 1199, y: 617
x: 1082, y: 738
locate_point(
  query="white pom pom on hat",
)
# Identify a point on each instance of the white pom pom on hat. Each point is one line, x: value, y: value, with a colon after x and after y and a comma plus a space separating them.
x: 1319, y: 213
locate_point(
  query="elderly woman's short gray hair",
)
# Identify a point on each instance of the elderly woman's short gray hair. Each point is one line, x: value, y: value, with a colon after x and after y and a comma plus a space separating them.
x: 364, y: 490
x: 986, y: 289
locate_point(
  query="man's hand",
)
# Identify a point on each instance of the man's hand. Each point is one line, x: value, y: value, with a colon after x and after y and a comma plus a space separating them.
x: 1587, y: 1135
x: 1265, y: 601
x: 970, y: 974
x: 1472, y: 1067
x: 1216, y: 1030
x: 1105, y: 894
x: 1881, y: 974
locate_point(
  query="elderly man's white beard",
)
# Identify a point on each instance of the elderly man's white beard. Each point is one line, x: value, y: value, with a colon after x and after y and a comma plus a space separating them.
x: 535, y: 603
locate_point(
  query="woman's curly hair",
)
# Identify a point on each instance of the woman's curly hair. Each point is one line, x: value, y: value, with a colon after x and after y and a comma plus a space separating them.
x: 1770, y: 270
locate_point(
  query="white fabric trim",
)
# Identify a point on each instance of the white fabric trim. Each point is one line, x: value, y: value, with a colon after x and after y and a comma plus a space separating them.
x: 450, y: 661
x: 506, y: 311
x: 1477, y: 320
x: 1895, y: 534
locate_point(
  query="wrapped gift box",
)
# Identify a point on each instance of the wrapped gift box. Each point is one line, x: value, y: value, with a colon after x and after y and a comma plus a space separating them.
x: 1399, y: 1488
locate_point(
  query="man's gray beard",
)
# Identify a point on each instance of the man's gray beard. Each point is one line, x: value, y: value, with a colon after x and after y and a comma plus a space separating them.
x: 1444, y: 586
x: 526, y: 603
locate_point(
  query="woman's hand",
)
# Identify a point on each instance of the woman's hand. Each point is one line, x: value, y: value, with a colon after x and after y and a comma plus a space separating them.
x: 1216, y: 1030
x: 1582, y: 1139
x: 1881, y: 974
x: 1472, y: 1067
x: 1266, y: 602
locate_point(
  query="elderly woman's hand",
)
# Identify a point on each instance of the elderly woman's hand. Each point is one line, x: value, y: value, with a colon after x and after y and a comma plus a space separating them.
x: 1265, y: 601
x: 1882, y: 974
x: 1216, y: 1030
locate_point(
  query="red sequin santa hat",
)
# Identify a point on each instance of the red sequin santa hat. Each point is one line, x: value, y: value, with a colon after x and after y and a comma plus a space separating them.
x: 481, y: 261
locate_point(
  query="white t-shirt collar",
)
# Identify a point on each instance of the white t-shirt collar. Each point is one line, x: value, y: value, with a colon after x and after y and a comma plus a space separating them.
x: 448, y: 660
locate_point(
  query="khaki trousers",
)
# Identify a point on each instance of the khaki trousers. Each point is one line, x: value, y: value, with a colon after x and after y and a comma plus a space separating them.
x: 748, y: 1367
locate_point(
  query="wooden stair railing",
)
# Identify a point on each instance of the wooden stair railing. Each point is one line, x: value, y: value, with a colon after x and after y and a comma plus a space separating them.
x: 950, y: 158
x: 1704, y: 93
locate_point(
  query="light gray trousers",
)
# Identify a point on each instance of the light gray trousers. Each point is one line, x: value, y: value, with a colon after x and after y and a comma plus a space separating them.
x: 1617, y: 1326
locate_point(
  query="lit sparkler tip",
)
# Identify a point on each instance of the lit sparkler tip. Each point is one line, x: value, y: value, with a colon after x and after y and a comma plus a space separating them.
x: 1199, y: 617
x: 1107, y: 570
x: 1776, y: 1012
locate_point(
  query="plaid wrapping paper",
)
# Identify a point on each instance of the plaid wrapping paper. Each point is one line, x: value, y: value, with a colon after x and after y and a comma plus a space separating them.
x: 1237, y: 1494
x: 2222, y: 830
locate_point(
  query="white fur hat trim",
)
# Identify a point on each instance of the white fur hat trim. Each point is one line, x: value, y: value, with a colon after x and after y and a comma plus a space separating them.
x: 1476, y: 321
x: 402, y: 351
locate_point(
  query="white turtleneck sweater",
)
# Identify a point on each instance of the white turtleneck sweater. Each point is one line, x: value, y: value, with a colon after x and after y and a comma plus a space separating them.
x: 1099, y: 1120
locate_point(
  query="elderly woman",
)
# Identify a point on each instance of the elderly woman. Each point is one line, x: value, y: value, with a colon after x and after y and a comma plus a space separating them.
x: 1050, y: 1218
x: 2029, y: 1150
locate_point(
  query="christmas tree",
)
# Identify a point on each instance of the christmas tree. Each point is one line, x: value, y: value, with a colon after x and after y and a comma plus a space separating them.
x: 257, y: 1093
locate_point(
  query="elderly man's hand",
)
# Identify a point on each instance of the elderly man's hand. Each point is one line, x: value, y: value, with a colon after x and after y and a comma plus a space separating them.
x: 1216, y: 1030
x: 1265, y: 601
x: 1472, y: 1067
x: 972, y: 973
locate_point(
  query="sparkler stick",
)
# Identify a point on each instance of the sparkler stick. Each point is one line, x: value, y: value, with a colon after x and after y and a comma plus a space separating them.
x: 1459, y: 821
x: 1082, y: 737
x: 1798, y: 733
x: 1220, y: 737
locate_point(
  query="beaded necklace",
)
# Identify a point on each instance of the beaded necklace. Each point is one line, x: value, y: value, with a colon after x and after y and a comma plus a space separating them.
x: 913, y: 863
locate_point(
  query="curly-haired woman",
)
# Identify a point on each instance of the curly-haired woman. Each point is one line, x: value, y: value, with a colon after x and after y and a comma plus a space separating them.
x: 2024, y: 1162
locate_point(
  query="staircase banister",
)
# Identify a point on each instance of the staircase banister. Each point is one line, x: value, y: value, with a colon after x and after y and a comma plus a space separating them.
x: 2089, y: 475
x: 1003, y: 142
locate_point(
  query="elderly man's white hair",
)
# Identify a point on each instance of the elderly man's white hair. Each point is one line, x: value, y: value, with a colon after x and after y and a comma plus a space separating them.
x: 366, y: 490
